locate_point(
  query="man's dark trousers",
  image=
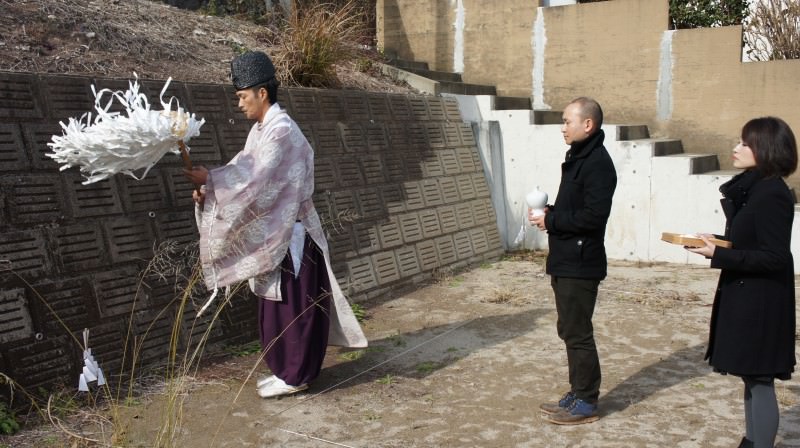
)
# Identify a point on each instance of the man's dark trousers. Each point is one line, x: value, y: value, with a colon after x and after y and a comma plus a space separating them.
x: 575, y: 300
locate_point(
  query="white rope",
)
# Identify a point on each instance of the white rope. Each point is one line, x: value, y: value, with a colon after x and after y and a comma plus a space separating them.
x: 314, y: 438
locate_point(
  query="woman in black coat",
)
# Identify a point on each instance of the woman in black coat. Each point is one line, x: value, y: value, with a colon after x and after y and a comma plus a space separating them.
x: 753, y: 318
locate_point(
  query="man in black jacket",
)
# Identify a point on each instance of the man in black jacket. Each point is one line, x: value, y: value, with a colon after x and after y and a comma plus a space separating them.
x: 576, y: 226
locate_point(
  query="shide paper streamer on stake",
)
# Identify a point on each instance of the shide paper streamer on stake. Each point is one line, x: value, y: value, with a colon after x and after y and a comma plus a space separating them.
x: 128, y: 142
x: 91, y: 370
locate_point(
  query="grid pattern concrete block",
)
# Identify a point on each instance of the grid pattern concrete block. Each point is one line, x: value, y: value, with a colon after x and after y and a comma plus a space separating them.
x: 331, y: 105
x: 96, y: 199
x: 393, y: 198
x: 34, y: 198
x: 447, y: 217
x: 12, y: 149
x: 481, y: 185
x: 344, y: 201
x: 431, y: 227
x: 400, y: 106
x: 284, y: 100
x: 394, y: 166
x: 360, y: 274
x: 67, y: 96
x: 432, y: 192
x: 324, y: 173
x: 398, y: 136
x: 70, y: 303
x: 419, y: 108
x: 466, y: 160
x: 327, y: 138
x: 446, y: 250
x: 377, y: 140
x: 354, y: 138
x: 427, y: 254
x: 179, y: 188
x: 452, y: 134
x: 143, y: 195
x: 340, y: 243
x: 418, y: 136
x: 350, y: 173
x: 467, y: 135
x: 153, y: 332
x: 356, y: 105
x: 372, y: 165
x: 18, y: 97
x: 37, y: 136
x: 463, y: 244
x: 308, y: 132
x: 176, y: 227
x: 379, y: 109
x: 410, y: 227
x: 370, y: 204
x: 414, y: 197
x: 176, y: 91
x: 304, y: 104
x: 493, y: 237
x: 208, y: 101
x: 241, y: 327
x: 366, y: 238
x: 197, y: 331
x: 389, y: 233
x: 466, y: 218
x: 203, y: 148
x: 436, y: 108
x: 407, y: 261
x: 26, y: 252
x: 386, y: 268
x: 16, y: 323
x: 435, y: 132
x: 432, y: 165
x: 449, y: 190
x: 480, y: 243
x: 231, y: 138
x: 130, y: 238
x: 451, y: 109
x: 118, y: 291
x: 482, y: 211
x: 466, y: 187
x: 36, y: 364
x: 449, y: 162
x: 78, y: 247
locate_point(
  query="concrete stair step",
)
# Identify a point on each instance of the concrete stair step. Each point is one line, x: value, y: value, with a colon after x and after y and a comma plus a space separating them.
x: 437, y: 76
x: 466, y: 89
x: 546, y: 117
x: 700, y: 163
x: 632, y: 132
x: 512, y: 103
x: 408, y: 65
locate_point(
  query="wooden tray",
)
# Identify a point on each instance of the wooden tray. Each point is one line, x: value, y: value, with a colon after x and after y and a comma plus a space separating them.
x: 691, y: 240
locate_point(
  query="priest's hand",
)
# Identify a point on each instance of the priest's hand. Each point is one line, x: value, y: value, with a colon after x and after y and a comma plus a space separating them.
x: 199, y: 197
x: 198, y: 175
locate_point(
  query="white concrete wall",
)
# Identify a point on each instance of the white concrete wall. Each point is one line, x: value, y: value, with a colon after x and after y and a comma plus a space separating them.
x: 654, y: 194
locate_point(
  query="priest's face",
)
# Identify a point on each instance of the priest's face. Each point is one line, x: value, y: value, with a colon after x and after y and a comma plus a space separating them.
x: 253, y: 103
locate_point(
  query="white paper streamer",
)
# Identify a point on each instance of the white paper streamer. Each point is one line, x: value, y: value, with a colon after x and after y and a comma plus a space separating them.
x: 91, y: 370
x: 117, y: 142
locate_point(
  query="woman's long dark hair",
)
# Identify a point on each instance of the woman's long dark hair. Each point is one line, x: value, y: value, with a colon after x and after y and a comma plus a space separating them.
x: 773, y: 144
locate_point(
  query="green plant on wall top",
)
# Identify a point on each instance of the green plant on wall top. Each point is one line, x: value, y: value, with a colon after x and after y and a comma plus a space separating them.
x: 706, y: 13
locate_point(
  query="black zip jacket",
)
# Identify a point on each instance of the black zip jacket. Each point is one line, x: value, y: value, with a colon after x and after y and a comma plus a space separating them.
x: 576, y: 223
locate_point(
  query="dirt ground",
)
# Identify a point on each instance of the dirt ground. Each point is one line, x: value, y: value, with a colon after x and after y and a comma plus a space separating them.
x: 466, y: 361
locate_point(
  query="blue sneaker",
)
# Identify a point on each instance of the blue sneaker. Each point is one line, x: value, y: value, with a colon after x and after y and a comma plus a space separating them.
x: 563, y: 404
x: 579, y: 413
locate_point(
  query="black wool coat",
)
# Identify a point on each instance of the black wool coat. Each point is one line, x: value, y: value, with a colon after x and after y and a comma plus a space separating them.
x: 576, y: 222
x: 753, y: 317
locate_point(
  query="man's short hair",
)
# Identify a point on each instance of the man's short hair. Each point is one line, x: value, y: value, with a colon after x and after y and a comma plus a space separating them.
x: 272, y: 89
x: 590, y: 109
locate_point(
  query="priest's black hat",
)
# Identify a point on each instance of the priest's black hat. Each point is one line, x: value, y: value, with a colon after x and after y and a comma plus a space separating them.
x: 251, y: 69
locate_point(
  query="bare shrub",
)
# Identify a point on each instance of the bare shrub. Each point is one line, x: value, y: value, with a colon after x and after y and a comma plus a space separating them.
x: 316, y: 39
x: 773, y: 31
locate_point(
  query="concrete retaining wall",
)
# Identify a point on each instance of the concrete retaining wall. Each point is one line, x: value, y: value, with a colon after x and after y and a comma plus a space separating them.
x: 404, y: 168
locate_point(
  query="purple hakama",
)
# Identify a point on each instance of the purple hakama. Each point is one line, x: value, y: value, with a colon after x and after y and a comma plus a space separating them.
x: 297, y: 326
